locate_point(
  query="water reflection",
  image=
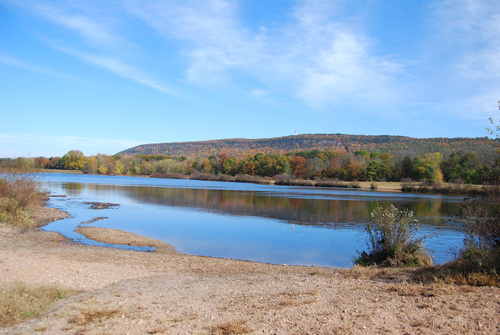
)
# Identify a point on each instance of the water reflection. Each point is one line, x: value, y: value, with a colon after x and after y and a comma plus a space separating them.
x: 302, y: 209
x: 73, y: 189
x: 263, y: 223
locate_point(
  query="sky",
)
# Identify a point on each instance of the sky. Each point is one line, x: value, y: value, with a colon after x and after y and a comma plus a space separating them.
x: 104, y: 76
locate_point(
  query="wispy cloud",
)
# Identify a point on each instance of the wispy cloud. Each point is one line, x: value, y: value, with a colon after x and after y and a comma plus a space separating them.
x: 101, y: 46
x: 120, y: 68
x: 316, y: 57
x: 94, y: 33
x: 332, y: 60
x: 209, y: 33
x: 318, y: 53
x: 30, y: 66
x: 469, y: 31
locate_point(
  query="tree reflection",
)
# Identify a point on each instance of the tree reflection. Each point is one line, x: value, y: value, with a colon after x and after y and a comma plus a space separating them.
x: 302, y: 210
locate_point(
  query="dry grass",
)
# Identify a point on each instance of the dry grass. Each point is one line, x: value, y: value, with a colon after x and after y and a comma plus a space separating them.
x: 436, y: 289
x: 90, y: 315
x: 375, y: 272
x: 20, y: 301
x: 19, y: 191
x: 454, y: 273
x: 295, y: 298
x: 230, y: 328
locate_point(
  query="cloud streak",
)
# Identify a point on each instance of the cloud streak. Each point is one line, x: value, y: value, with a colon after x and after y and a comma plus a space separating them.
x: 30, y: 66
x: 119, y: 68
x: 469, y: 31
x: 110, y: 47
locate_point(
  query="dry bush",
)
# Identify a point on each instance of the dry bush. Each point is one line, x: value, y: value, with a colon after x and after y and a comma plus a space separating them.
x: 478, y: 261
x: 18, y: 191
x: 392, y: 240
x: 20, y: 301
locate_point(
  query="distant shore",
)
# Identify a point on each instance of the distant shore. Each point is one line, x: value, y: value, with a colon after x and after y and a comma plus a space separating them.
x: 407, y: 187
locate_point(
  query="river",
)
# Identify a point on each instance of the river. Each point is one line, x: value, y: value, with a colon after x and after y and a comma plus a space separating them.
x: 263, y: 223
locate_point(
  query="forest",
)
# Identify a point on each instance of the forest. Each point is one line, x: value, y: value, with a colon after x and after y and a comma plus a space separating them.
x: 474, y: 164
x: 241, y: 148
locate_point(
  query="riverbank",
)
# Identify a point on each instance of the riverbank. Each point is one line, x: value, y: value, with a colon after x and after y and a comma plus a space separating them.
x: 459, y: 189
x: 167, y: 292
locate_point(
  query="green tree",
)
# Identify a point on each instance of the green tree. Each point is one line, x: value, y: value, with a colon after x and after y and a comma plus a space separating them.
x: 373, y: 170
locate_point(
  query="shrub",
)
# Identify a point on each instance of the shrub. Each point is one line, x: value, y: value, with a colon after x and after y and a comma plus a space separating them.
x: 481, y: 251
x: 392, y: 239
x: 18, y: 191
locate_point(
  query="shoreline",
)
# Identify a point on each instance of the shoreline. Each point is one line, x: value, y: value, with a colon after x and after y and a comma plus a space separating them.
x: 442, y: 188
x: 134, y: 292
x: 121, y: 237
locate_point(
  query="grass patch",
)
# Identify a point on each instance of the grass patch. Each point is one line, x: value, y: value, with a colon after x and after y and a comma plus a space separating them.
x: 20, y: 301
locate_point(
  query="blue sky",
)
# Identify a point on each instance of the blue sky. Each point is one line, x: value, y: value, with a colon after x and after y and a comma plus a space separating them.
x: 103, y: 76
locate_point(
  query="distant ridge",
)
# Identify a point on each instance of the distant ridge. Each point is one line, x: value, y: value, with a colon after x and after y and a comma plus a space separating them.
x: 238, y: 147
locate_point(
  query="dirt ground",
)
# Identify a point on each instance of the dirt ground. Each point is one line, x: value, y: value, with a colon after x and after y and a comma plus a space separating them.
x: 165, y: 292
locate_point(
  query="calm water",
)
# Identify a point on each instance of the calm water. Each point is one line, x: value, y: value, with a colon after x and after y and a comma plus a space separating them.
x: 264, y: 223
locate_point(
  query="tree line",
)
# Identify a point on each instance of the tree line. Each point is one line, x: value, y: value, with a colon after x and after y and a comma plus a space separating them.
x: 475, y: 167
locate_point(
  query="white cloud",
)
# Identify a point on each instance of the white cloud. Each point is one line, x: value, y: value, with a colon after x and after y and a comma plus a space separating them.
x: 331, y: 61
x: 209, y: 34
x: 469, y: 31
x: 474, y: 27
x: 316, y: 57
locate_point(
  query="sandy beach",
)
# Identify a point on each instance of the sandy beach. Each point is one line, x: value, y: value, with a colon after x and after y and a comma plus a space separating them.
x: 165, y: 292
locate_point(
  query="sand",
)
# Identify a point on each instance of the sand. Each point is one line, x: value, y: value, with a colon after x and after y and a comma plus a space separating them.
x: 166, y: 292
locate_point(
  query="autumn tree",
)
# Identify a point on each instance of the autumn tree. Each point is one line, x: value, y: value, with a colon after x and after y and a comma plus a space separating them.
x: 298, y: 166
x: 90, y: 165
x: 206, y: 166
x: 247, y: 166
x: 73, y: 160
x: 41, y: 162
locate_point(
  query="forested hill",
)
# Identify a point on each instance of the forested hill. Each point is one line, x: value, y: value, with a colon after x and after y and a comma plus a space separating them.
x: 323, y: 142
